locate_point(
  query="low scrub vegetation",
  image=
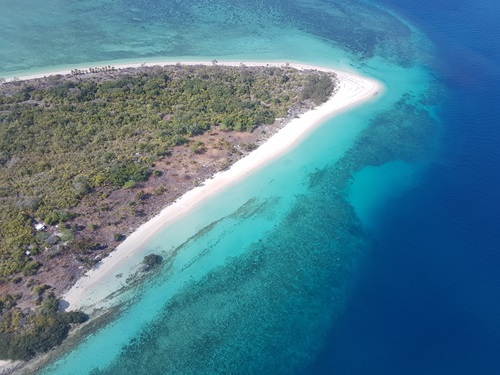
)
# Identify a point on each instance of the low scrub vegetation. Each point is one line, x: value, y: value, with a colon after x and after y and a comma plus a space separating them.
x: 64, y: 139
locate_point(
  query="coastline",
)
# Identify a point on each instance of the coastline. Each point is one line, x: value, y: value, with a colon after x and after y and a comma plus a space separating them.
x: 135, y: 65
x: 97, y: 283
x: 90, y: 291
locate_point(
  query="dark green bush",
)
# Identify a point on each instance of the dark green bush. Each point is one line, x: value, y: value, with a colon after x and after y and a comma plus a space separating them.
x: 318, y: 89
x: 152, y: 260
x: 49, y: 328
x: 118, y: 237
x: 120, y: 174
x: 31, y: 268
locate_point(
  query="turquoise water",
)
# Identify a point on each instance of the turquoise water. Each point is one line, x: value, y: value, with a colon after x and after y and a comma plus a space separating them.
x: 373, y: 186
x: 255, y: 277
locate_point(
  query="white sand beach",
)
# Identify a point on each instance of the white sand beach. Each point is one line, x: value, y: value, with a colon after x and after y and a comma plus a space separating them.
x: 101, y: 281
x: 9, y: 367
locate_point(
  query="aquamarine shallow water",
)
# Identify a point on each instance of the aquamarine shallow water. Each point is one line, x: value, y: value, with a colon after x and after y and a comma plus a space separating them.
x: 257, y: 275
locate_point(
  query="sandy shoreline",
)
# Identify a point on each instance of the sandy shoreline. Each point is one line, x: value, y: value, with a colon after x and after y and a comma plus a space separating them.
x: 353, y: 90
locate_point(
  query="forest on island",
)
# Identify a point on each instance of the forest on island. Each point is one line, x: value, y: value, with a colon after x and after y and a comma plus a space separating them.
x: 63, y: 138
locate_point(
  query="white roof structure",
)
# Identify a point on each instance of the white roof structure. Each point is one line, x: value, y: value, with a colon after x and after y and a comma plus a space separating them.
x: 40, y: 226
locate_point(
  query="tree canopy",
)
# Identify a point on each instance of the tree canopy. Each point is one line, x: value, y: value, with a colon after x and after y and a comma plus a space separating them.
x: 64, y: 138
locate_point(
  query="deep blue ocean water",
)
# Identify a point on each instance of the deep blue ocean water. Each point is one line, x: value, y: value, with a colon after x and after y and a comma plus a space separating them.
x: 340, y: 272
x: 428, y: 300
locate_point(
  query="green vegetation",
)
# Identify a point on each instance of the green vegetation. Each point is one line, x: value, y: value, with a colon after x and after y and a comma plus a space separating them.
x: 93, y: 134
x: 318, y: 89
x: 64, y: 137
x: 198, y: 147
x: 152, y: 260
x: 23, y: 335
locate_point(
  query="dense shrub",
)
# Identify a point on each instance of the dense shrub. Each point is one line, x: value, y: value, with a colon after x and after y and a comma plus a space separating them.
x: 318, y: 89
x: 47, y: 328
x: 120, y: 174
x: 152, y: 260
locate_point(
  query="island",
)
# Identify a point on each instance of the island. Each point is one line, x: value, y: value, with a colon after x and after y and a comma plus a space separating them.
x: 88, y: 157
